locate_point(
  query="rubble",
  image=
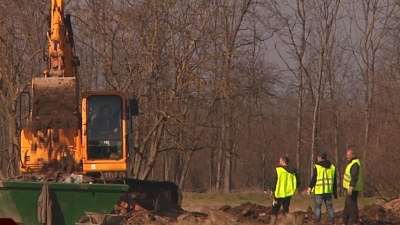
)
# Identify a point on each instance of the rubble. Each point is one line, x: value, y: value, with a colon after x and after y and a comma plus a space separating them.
x: 388, y: 213
x: 247, y: 213
x: 55, y: 176
x: 377, y: 214
x: 133, y: 208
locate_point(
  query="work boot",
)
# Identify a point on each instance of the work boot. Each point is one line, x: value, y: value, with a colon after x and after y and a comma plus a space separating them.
x: 273, y: 220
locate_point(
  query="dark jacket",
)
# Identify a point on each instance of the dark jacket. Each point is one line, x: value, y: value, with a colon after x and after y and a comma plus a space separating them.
x: 102, y: 124
x: 326, y: 164
x: 355, y: 168
x: 289, y: 169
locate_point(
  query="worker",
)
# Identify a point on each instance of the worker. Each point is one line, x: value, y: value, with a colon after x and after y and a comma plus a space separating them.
x: 323, y: 185
x: 105, y: 124
x: 352, y: 182
x: 285, y: 185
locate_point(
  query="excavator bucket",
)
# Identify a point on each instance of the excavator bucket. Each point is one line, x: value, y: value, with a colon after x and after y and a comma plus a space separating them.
x: 54, y: 104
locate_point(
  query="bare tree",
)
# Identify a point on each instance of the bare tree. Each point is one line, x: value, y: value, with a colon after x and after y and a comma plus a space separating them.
x: 19, y: 50
x: 375, y: 18
x: 325, y: 27
x: 292, y: 44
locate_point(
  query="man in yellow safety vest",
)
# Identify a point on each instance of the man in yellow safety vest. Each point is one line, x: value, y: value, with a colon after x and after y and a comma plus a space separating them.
x: 284, y: 187
x: 352, y: 182
x: 323, y: 185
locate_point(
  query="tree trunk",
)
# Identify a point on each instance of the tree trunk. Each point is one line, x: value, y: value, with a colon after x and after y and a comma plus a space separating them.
x: 227, y: 171
x: 300, y: 91
x: 166, y: 166
x: 185, y: 169
x: 178, y: 170
x: 219, y: 168
x: 13, y: 145
x: 313, y: 136
x: 138, y: 157
x: 336, y: 150
x: 152, y: 158
x: 212, y: 169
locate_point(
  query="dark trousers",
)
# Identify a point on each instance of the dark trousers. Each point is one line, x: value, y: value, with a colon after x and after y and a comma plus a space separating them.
x: 350, y: 211
x: 284, y: 202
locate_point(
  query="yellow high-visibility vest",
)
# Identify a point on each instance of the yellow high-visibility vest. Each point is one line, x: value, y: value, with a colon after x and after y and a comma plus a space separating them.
x: 324, y: 180
x: 286, y: 184
x: 347, y: 176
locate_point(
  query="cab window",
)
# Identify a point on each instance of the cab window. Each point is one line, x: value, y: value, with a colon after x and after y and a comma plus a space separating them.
x: 104, y: 127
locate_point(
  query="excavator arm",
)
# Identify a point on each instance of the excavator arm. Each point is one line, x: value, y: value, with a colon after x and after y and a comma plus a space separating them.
x: 54, y: 129
x: 60, y: 56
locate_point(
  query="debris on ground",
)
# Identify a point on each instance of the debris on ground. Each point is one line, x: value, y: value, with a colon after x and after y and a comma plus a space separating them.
x: 377, y: 214
x: 137, y: 208
x: 248, y: 212
x: 166, y: 212
x: 388, y: 213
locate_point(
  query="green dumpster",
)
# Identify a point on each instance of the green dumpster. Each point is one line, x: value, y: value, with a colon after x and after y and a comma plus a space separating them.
x: 19, y: 200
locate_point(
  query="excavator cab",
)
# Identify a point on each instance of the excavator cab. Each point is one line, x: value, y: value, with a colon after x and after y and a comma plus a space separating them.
x: 106, y: 132
x: 104, y: 127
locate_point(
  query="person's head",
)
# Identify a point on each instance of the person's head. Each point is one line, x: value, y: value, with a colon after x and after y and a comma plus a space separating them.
x: 105, y: 111
x: 350, y: 154
x: 321, y: 156
x: 283, y: 161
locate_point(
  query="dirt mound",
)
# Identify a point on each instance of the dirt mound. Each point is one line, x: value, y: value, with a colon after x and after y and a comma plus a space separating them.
x: 249, y: 212
x: 372, y: 214
x: 376, y: 214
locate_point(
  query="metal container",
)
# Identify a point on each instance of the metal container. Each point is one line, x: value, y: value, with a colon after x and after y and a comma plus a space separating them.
x: 19, y: 200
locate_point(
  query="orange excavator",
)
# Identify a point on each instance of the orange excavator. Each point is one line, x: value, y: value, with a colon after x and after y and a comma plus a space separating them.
x: 74, y: 132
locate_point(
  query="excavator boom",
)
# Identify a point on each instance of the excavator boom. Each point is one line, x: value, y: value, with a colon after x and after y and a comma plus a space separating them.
x: 61, y: 61
x: 54, y: 129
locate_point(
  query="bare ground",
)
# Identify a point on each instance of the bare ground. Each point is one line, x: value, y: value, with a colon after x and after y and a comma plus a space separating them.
x: 249, y: 213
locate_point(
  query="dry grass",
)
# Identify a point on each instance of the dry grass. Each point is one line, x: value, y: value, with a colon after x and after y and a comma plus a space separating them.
x: 210, y: 202
x: 213, y: 223
x: 299, y: 202
x: 204, y: 202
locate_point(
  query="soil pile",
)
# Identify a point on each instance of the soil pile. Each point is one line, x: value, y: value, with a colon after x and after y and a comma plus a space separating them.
x: 376, y: 214
x: 247, y: 212
x: 389, y: 213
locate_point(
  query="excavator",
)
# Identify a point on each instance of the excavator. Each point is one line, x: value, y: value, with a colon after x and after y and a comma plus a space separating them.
x: 87, y: 133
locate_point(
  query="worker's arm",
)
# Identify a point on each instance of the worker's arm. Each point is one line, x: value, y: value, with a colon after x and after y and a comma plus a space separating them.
x: 313, y: 178
x: 116, y: 125
x: 335, y: 185
x: 275, y: 181
x: 298, y: 180
x: 354, y: 174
